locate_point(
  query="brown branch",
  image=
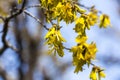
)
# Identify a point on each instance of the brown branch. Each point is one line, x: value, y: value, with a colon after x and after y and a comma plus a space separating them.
x: 5, y: 26
x: 19, y: 11
x: 2, y: 18
x: 3, y: 74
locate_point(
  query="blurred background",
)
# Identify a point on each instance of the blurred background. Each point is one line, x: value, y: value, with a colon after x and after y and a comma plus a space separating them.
x: 32, y: 63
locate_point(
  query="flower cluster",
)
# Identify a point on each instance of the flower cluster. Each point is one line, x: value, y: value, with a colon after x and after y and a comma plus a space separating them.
x: 69, y: 11
x: 54, y: 39
x: 61, y: 10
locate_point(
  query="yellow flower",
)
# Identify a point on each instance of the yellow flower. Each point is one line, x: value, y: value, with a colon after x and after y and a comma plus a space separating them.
x: 93, y: 74
x: 19, y: 1
x: 102, y: 74
x: 86, y: 21
x: 59, y: 36
x: 54, y: 39
x: 50, y: 1
x: 59, y: 9
x: 81, y: 39
x: 96, y: 73
x: 79, y: 65
x: 92, y: 49
x: 92, y: 18
x: 104, y: 21
x: 80, y: 10
x: 69, y: 14
x: 78, y: 52
x: 50, y: 32
x: 80, y: 25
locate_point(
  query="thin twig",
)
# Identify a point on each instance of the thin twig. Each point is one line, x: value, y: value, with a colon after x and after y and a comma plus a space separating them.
x: 12, y: 47
x: 38, y: 20
x: 36, y: 5
x: 67, y: 48
x: 86, y: 7
x: 92, y: 64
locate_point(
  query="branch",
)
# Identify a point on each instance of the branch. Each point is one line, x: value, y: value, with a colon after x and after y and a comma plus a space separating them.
x: 67, y: 48
x: 38, y: 20
x: 5, y: 26
x: 36, y: 5
x: 86, y: 7
x: 2, y: 18
x: 3, y: 73
x: 19, y: 11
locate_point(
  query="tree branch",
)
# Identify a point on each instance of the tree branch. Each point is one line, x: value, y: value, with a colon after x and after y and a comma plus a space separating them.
x: 5, y: 26
x: 2, y: 18
x: 32, y: 6
x: 38, y: 20
x: 3, y: 73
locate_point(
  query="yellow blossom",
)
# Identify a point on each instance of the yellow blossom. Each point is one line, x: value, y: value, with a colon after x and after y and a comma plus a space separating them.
x: 96, y: 73
x: 92, y: 18
x: 102, y: 74
x: 93, y: 74
x: 80, y: 25
x: 80, y: 10
x: 104, y: 21
x: 19, y: 1
x: 81, y: 39
x: 54, y: 39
